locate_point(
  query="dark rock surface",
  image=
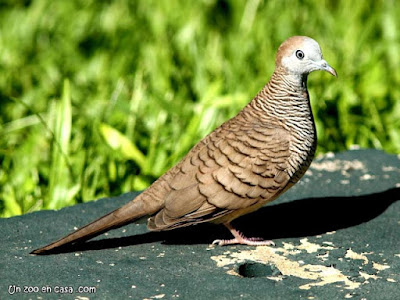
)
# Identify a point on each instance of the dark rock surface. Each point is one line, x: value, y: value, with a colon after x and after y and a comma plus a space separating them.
x: 337, y: 235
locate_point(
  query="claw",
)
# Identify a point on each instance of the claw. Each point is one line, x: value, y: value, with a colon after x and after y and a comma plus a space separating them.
x: 239, y: 238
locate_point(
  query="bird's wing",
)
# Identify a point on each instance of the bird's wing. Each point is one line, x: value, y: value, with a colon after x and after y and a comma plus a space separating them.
x: 238, y: 165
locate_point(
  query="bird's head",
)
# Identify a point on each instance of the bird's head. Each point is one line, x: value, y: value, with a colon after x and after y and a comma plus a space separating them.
x: 301, y: 55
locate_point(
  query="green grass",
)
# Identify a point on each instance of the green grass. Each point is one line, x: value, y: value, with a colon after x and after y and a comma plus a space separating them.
x: 101, y: 97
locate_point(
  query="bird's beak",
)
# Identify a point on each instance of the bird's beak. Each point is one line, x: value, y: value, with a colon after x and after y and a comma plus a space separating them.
x: 326, y: 67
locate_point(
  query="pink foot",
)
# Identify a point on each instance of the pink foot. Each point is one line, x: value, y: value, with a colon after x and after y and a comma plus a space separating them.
x: 239, y: 238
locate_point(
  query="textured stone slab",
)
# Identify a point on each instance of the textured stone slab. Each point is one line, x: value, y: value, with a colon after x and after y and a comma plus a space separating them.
x: 336, y: 233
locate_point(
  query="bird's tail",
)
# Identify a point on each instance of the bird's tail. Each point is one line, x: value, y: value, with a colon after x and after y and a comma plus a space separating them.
x: 126, y: 214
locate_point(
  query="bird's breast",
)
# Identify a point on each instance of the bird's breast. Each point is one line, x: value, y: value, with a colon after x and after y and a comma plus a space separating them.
x: 302, y: 150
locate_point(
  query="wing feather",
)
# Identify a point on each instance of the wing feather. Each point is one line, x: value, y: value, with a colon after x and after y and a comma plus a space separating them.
x: 237, y: 166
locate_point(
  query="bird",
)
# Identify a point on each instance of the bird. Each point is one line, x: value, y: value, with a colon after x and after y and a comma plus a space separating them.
x: 245, y: 163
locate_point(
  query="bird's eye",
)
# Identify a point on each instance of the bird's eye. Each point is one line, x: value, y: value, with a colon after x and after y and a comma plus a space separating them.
x: 299, y: 54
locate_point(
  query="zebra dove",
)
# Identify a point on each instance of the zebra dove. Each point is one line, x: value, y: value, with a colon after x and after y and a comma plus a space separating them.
x: 245, y: 163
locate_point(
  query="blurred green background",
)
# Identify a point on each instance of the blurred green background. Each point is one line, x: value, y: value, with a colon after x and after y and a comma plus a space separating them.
x: 98, y: 98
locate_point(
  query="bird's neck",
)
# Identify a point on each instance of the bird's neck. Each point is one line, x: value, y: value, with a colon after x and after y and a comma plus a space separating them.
x: 284, y: 100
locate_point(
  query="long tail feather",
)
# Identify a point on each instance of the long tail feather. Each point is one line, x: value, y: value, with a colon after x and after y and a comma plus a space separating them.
x: 124, y: 215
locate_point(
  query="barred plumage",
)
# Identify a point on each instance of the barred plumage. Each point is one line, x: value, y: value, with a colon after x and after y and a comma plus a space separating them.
x: 245, y: 163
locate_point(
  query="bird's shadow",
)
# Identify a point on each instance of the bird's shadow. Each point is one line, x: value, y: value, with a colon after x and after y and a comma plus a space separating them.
x: 299, y: 218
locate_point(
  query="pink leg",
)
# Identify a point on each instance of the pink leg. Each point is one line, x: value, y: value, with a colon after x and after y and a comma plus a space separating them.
x: 239, y: 238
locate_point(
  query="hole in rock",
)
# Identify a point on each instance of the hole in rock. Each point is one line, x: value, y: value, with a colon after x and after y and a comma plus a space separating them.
x: 258, y: 270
